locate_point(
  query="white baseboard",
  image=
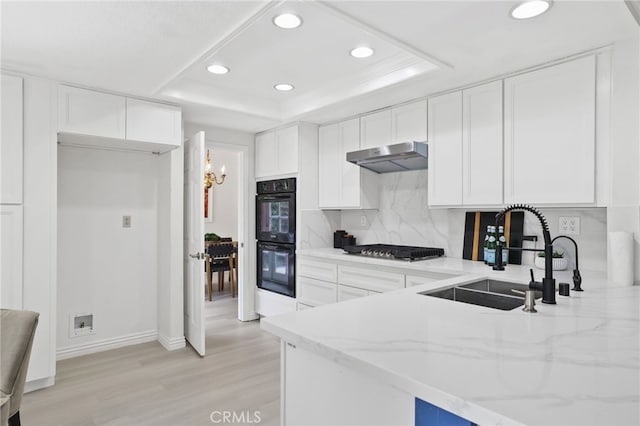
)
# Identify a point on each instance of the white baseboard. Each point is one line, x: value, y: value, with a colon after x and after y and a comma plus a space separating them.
x: 106, y: 344
x: 171, y: 344
x: 34, y: 385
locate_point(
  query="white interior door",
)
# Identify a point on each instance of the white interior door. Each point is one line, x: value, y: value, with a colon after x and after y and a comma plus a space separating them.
x: 194, y: 241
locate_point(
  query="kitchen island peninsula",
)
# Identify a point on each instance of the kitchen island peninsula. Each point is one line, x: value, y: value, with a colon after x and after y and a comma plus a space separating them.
x: 382, y: 359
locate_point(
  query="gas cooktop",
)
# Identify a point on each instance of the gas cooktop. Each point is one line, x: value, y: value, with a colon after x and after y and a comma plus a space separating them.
x: 389, y: 251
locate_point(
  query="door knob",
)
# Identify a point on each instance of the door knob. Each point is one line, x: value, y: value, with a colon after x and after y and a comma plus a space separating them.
x: 197, y: 256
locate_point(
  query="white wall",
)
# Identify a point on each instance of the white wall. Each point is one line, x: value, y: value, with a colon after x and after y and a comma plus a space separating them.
x: 624, y: 211
x: 103, y: 268
x: 224, y: 198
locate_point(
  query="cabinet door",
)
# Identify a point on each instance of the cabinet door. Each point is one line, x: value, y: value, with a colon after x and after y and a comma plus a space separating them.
x: 287, y: 143
x: 550, y: 135
x: 482, y: 144
x: 91, y: 113
x: 409, y: 123
x: 329, y: 173
x: 445, y: 150
x: 153, y: 122
x: 266, y: 154
x: 11, y: 165
x: 375, y: 129
x: 315, y: 292
x: 349, y: 139
x: 11, y: 257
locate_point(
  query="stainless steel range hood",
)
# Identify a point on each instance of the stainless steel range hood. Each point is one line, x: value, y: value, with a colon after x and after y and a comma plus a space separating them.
x: 392, y: 158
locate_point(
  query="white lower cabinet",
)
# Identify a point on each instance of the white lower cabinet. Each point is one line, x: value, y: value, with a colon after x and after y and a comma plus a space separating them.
x: 315, y: 292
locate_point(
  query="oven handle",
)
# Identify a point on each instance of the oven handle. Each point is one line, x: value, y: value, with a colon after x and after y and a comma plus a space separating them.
x: 263, y: 245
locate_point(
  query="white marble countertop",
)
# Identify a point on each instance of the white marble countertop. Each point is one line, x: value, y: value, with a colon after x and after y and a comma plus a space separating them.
x: 574, y: 363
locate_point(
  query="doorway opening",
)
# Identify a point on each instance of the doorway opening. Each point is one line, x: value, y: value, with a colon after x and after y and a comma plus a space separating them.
x: 227, y: 217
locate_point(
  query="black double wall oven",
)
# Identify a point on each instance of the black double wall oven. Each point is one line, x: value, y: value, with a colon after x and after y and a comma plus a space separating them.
x: 276, y: 235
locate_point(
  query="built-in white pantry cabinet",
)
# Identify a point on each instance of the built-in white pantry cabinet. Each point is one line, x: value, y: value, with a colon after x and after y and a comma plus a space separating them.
x: 11, y: 147
x: 342, y: 185
x: 277, y: 152
x: 550, y: 134
x: 11, y: 180
x: 90, y: 118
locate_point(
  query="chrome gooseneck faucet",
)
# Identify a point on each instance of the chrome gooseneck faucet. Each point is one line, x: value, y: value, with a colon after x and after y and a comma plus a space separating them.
x: 548, y: 284
x: 577, y: 278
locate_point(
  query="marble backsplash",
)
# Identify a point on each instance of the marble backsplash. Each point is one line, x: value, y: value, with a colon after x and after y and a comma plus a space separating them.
x: 405, y: 218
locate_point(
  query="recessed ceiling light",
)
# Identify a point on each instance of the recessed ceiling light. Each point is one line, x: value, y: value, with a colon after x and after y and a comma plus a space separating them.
x: 530, y: 9
x: 283, y: 87
x: 361, y: 52
x: 217, y: 69
x: 287, y: 21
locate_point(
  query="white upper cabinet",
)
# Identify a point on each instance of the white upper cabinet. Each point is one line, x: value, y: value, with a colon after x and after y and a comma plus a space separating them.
x: 445, y: 150
x: 90, y: 118
x: 343, y: 185
x: 405, y: 123
x: 409, y: 122
x: 266, y: 154
x: 153, y: 122
x: 92, y: 113
x: 11, y: 145
x: 482, y: 144
x: 277, y: 152
x: 287, y: 141
x: 375, y: 129
x: 550, y: 135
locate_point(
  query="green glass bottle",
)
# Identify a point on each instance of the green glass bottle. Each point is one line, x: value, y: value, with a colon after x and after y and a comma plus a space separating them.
x: 486, y: 244
x: 503, y: 242
x: 491, y: 246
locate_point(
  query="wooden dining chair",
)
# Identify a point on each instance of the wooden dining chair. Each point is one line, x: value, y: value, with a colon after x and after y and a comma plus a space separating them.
x: 221, y: 258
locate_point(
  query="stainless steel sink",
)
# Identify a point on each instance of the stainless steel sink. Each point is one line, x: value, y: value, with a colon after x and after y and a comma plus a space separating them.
x: 500, y: 287
x: 488, y: 293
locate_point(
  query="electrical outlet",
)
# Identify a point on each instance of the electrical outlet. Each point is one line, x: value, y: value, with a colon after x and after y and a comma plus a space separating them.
x: 569, y: 225
x: 363, y: 220
x: 126, y: 221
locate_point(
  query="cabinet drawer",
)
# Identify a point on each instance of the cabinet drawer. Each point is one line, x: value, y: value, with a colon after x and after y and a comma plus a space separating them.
x: 348, y: 293
x: 414, y: 280
x: 316, y: 292
x: 319, y: 270
x: 370, y: 279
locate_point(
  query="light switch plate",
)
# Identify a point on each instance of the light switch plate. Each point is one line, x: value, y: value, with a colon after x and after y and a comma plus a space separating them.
x: 569, y: 225
x: 126, y: 221
x: 363, y: 220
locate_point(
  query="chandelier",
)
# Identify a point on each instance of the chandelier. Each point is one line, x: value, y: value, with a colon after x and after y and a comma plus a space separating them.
x: 209, y: 176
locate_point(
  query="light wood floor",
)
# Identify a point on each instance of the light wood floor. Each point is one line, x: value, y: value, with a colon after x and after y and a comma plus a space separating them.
x: 147, y: 385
